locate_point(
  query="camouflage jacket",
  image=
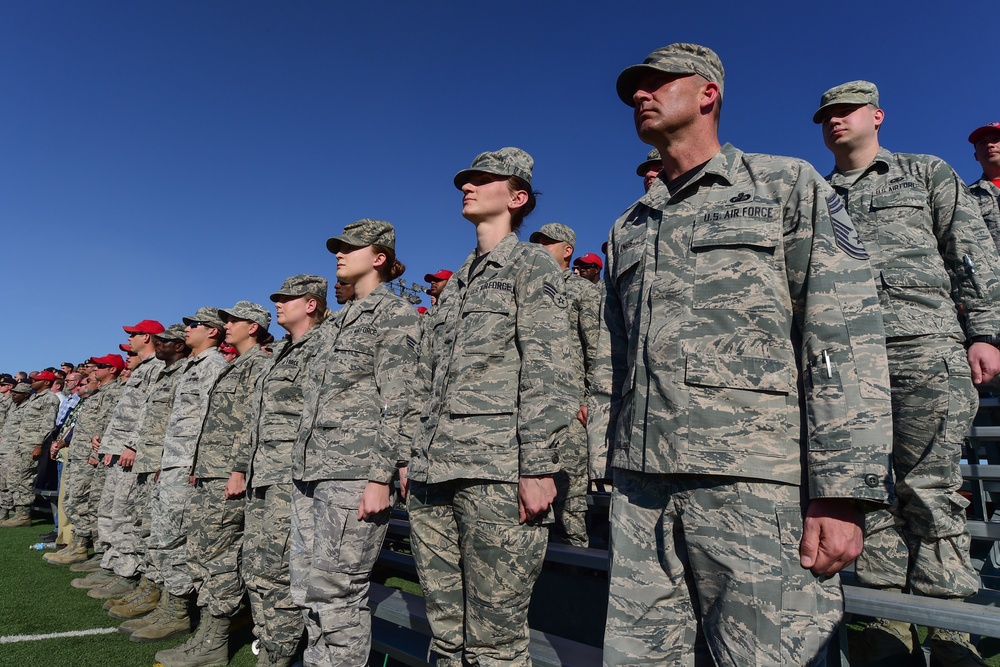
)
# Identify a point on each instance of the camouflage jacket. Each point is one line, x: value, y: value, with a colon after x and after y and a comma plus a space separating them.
x: 277, y: 411
x: 159, y: 405
x: 744, y: 335
x: 95, y: 413
x: 226, y: 430
x: 190, y: 407
x: 584, y: 325
x: 11, y: 428
x: 38, y: 420
x: 5, y: 406
x: 490, y: 389
x: 919, y: 224
x: 988, y: 196
x: 123, y: 427
x: 355, y: 391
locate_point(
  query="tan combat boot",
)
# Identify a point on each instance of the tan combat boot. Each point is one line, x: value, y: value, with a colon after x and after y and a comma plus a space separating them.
x: 90, y: 565
x: 174, y: 621
x: 145, y: 600
x: 128, y: 627
x: 74, y: 553
x: 19, y: 518
x: 209, y: 647
x: 97, y: 578
x: 122, y: 599
x: 950, y: 648
x: 883, y: 642
x: 119, y: 587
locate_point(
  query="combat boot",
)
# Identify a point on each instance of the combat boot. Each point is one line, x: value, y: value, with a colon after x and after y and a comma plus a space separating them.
x: 209, y: 647
x: 19, y: 518
x: 145, y: 600
x: 92, y: 564
x: 883, y: 642
x: 95, y: 579
x: 117, y: 588
x: 174, y: 621
x: 128, y: 627
x: 77, y: 552
x: 950, y: 648
x: 127, y: 597
x: 266, y: 659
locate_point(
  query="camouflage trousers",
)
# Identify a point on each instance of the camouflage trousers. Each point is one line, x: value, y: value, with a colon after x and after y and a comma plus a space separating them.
x: 214, y: 543
x: 277, y: 619
x: 146, y: 495
x: 705, y: 571
x: 17, y: 480
x: 122, y: 557
x: 80, y: 503
x: 331, y: 560
x: 108, y: 481
x: 477, y: 567
x: 922, y: 542
x: 168, y: 528
x: 570, y: 506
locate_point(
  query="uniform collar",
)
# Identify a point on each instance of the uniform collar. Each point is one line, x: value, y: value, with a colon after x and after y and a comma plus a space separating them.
x: 724, y: 165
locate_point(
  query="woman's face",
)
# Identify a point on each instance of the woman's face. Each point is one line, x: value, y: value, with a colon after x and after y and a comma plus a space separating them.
x: 353, y: 263
x: 292, y: 310
x: 485, y: 196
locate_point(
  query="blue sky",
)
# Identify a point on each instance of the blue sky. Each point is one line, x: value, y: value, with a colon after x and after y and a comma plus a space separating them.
x: 160, y: 156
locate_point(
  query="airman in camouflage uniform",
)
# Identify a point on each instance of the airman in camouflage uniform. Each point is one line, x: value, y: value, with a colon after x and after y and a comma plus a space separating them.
x: 37, y: 421
x: 349, y: 443
x: 649, y: 169
x: 278, y: 624
x: 930, y: 252
x: 986, y: 139
x: 215, y: 514
x: 169, y: 518
x: 116, y: 511
x: 493, y: 405
x: 172, y: 351
x: 10, y: 456
x: 750, y: 392
x: 81, y: 475
x: 572, y: 481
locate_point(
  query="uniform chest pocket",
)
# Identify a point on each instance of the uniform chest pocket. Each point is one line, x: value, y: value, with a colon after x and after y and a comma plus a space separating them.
x: 902, y: 219
x: 735, y: 265
x: 487, y: 322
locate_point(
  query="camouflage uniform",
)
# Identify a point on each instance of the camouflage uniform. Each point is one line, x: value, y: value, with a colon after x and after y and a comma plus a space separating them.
x: 264, y: 566
x: 924, y: 232
x: 749, y: 376
x: 354, y: 399
x: 82, y: 480
x: 149, y: 451
x: 116, y: 513
x: 169, y: 521
x: 495, y: 405
x: 9, y: 456
x: 988, y: 196
x: 36, y: 420
x: 217, y: 522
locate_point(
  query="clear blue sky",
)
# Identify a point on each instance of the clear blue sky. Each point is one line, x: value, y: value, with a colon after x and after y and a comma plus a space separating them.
x: 160, y: 156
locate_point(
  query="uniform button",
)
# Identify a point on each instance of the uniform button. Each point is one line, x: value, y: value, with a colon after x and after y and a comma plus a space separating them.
x: 871, y: 480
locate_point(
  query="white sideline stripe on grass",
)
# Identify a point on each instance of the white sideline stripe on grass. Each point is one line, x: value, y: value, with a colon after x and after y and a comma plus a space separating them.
x: 13, y: 639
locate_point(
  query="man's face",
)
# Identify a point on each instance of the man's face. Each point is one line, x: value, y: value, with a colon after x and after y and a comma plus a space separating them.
x: 101, y: 372
x: 137, y: 340
x: 665, y: 103
x: 650, y: 176
x: 196, y: 334
x: 437, y: 286
x: 132, y: 361
x: 850, y: 126
x: 558, y: 249
x: 343, y: 292
x: 18, y: 397
x: 591, y: 272
x: 5, y: 388
x: 988, y: 153
x: 40, y: 385
x: 73, y: 380
x: 67, y: 369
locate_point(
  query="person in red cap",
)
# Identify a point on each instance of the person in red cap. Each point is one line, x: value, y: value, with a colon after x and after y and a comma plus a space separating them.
x: 438, y: 281
x: 21, y: 456
x: 986, y: 139
x: 589, y: 267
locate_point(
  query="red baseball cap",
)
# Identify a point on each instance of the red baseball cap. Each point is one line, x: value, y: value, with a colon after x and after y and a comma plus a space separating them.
x: 980, y: 131
x: 443, y: 274
x: 590, y: 258
x: 114, y: 360
x: 45, y: 375
x: 124, y: 348
x: 151, y: 327
x: 422, y: 309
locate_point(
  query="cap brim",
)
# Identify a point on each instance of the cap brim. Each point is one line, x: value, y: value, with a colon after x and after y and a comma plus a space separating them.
x: 628, y: 80
x: 646, y: 166
x: 848, y: 101
x: 334, y: 243
x: 980, y: 131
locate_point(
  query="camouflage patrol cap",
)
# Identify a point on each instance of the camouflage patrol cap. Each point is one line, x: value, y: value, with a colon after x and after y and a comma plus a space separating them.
x: 679, y: 58
x: 250, y: 311
x: 364, y: 232
x: 555, y: 231
x: 508, y: 161
x: 852, y: 92
x: 652, y: 160
x: 175, y: 332
x: 300, y: 285
x: 207, y: 315
x: 22, y: 388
